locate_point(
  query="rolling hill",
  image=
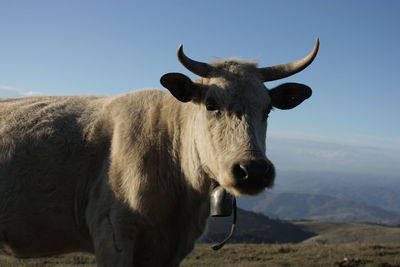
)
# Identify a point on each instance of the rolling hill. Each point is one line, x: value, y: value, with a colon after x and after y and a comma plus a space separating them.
x: 343, y: 233
x: 256, y: 228
x: 378, y: 191
x: 329, y: 196
x: 287, y: 205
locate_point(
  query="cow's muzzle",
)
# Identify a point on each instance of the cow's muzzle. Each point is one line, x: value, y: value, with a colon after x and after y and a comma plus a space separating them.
x: 254, y: 174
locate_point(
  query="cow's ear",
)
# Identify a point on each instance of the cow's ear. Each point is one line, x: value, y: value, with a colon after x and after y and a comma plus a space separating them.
x: 180, y: 86
x: 289, y: 95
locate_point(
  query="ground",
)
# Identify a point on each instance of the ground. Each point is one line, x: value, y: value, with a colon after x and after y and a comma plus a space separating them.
x: 311, y: 254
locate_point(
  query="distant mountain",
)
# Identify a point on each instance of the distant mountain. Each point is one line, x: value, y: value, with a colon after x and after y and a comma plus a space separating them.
x: 318, y: 207
x: 380, y: 191
x: 254, y: 228
x: 369, y: 197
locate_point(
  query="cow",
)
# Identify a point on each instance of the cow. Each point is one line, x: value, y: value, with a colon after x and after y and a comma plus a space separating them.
x: 129, y: 177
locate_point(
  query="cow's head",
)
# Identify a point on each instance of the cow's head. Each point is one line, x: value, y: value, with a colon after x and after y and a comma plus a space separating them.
x: 232, y: 106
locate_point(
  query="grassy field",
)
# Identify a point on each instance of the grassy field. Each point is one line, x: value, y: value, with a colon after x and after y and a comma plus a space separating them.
x: 297, y: 255
x: 365, y: 254
x: 340, y: 233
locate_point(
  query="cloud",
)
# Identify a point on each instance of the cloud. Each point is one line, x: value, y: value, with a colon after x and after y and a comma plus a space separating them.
x: 8, y: 91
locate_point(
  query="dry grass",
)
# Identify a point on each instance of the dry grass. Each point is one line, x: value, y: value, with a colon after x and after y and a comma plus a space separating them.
x: 74, y: 259
x: 365, y: 254
x: 297, y: 255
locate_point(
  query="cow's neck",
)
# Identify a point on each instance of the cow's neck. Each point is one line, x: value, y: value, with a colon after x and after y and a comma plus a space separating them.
x: 182, y: 205
x: 189, y: 155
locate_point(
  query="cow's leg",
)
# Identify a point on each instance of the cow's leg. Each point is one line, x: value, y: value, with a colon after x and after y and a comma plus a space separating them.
x: 111, y: 248
x: 4, y: 247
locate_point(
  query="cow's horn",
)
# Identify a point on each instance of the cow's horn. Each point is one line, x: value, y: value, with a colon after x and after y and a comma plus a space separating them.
x: 285, y: 70
x: 198, y: 68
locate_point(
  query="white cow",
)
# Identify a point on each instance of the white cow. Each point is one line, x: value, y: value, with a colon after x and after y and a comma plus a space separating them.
x: 129, y: 177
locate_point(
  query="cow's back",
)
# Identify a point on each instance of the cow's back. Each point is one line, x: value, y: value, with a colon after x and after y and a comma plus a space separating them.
x: 46, y: 166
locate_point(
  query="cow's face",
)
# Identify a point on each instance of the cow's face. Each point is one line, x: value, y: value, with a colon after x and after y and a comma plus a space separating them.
x: 230, y: 121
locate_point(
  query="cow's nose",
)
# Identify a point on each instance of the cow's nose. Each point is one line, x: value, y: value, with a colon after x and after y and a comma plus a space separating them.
x: 254, y: 169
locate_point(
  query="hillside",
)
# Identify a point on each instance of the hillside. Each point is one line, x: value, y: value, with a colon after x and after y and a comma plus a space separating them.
x: 254, y: 228
x: 318, y: 244
x: 342, y: 233
x: 300, y: 255
x: 296, y: 255
x: 378, y: 191
x: 353, y: 197
x: 257, y: 228
x: 288, y: 205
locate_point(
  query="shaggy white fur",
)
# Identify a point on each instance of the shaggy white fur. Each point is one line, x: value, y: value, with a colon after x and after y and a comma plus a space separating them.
x: 129, y: 177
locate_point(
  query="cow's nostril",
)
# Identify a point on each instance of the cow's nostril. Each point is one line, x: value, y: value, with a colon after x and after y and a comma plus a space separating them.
x: 254, y: 170
x: 240, y: 172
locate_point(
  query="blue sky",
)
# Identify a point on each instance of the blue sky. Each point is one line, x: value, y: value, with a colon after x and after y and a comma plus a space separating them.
x: 110, y: 47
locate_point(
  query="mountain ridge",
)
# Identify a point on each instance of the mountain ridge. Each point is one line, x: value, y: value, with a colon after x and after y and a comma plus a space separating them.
x: 295, y: 206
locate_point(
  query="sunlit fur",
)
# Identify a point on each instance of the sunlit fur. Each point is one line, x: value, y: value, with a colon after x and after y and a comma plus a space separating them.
x: 237, y: 131
x: 126, y: 177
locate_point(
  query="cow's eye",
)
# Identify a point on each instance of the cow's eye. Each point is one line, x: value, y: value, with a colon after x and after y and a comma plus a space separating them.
x: 211, y: 105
